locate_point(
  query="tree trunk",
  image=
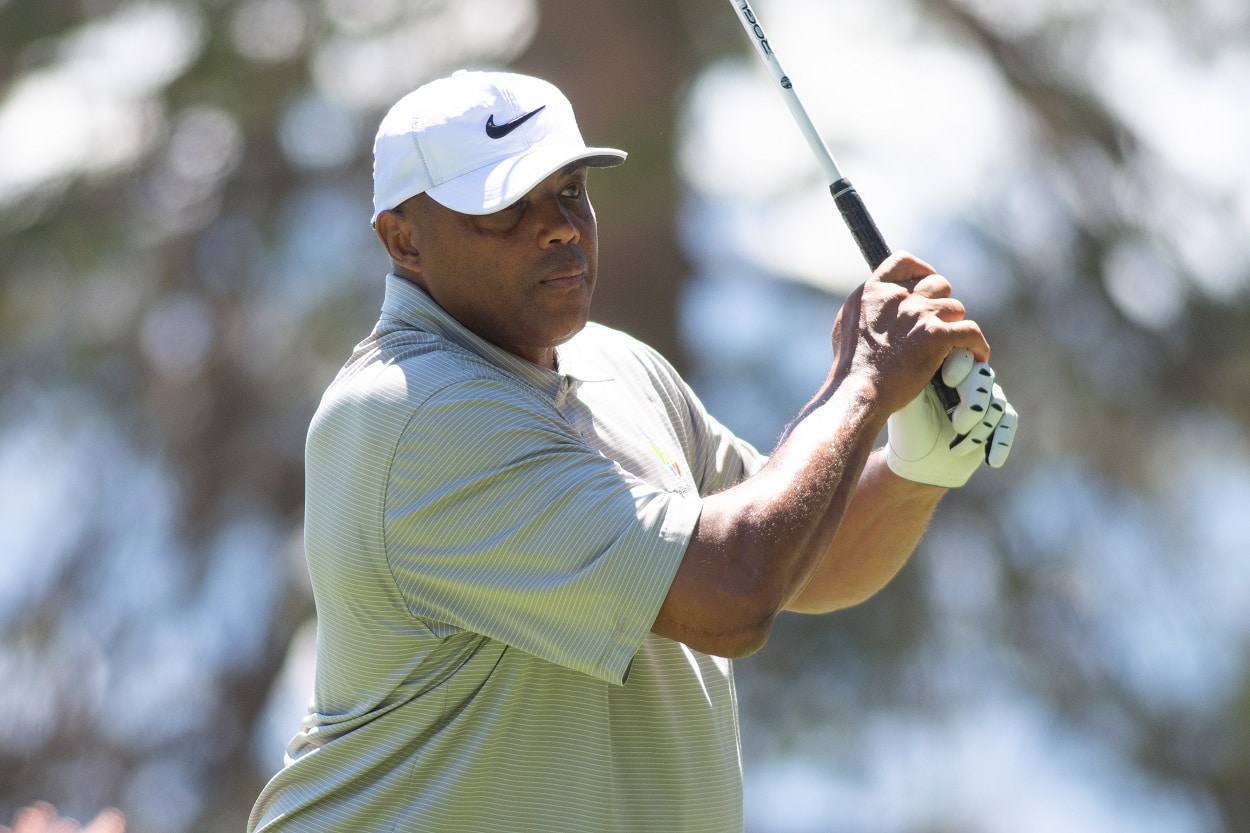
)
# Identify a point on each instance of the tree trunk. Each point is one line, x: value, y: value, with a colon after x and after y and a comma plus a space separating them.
x: 622, y: 65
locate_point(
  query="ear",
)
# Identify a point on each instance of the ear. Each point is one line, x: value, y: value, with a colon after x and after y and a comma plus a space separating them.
x: 399, y: 236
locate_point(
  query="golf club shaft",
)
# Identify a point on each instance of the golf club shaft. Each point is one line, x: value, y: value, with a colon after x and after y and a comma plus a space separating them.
x: 855, y: 214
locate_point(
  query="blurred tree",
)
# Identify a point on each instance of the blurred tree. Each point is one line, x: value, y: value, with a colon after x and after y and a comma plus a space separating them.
x: 178, y: 288
x: 185, y: 260
x: 624, y: 67
x: 1115, y: 553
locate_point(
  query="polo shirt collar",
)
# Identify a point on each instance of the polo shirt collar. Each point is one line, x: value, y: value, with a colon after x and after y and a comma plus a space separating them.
x: 409, y: 303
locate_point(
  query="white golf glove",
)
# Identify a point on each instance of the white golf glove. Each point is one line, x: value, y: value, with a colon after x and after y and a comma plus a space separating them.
x: 927, y: 446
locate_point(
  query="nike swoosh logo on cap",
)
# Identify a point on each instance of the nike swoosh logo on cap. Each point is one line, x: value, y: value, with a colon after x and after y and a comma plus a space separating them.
x: 498, y: 131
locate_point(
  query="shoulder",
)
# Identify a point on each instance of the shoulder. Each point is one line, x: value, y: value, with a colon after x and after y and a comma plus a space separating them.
x: 411, y: 365
x: 394, y: 375
x: 595, y: 335
x: 603, y: 346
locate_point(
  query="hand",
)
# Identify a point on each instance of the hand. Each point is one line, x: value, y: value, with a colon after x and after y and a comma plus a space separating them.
x: 896, y: 329
x: 41, y: 817
x: 927, y: 446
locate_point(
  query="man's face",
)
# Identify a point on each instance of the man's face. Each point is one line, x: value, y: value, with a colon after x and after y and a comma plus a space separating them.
x: 522, y: 277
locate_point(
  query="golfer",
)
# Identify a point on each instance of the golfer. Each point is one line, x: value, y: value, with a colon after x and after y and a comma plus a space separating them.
x: 533, y: 552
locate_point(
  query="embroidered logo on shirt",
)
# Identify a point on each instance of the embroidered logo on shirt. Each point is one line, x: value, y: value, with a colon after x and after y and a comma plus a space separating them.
x: 667, y: 459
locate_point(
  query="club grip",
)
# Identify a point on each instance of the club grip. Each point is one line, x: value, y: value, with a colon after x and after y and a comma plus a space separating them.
x: 855, y: 214
x: 875, y: 250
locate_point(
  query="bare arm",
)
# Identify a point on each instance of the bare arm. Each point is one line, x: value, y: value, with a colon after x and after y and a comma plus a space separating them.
x: 758, y: 545
x: 880, y: 530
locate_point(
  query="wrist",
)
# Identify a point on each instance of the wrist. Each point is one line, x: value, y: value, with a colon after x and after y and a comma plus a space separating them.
x: 859, y: 400
x: 906, y: 489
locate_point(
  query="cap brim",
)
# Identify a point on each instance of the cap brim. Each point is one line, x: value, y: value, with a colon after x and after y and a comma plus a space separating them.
x: 495, y: 187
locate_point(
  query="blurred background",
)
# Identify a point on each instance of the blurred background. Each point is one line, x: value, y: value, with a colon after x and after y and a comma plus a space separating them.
x: 186, y: 259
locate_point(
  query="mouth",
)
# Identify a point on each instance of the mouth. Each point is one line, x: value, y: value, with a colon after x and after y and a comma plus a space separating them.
x: 565, y: 273
x: 565, y: 280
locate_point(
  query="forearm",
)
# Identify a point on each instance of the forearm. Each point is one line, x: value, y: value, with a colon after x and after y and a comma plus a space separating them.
x: 756, y: 545
x: 760, y: 546
x: 879, y: 531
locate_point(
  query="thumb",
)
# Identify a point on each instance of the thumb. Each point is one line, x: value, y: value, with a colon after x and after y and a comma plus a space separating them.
x: 914, y: 430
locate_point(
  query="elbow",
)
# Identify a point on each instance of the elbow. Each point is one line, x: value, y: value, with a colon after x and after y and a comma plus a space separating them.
x: 746, y: 642
x: 737, y: 642
x: 747, y: 630
x: 731, y: 644
x: 726, y: 594
x: 732, y: 625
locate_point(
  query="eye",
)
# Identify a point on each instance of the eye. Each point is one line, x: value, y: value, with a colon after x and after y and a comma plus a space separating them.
x: 574, y: 190
x: 504, y: 219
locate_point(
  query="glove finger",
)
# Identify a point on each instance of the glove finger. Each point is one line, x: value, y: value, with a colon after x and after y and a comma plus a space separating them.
x: 976, y: 391
x: 957, y: 366
x: 979, y: 434
x: 1002, y: 439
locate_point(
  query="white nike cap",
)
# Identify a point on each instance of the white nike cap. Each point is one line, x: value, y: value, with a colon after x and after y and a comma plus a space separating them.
x: 477, y: 142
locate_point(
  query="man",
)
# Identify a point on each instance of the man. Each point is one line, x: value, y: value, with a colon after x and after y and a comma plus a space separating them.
x: 532, y: 549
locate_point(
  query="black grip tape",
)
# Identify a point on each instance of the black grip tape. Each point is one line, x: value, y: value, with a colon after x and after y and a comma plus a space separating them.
x: 875, y: 250
x: 946, y: 395
x: 855, y: 214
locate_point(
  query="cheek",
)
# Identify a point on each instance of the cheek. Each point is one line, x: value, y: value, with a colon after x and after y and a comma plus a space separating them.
x: 590, y: 234
x: 474, y: 264
x: 460, y: 279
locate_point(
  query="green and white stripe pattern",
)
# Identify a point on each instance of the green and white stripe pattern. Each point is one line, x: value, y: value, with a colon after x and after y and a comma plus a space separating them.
x: 489, y: 543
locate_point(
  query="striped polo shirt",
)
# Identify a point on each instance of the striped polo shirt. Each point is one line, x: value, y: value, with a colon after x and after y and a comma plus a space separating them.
x: 489, y: 543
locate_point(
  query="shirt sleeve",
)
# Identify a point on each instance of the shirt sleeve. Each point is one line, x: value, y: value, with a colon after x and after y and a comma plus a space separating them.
x: 517, y: 529
x: 718, y: 458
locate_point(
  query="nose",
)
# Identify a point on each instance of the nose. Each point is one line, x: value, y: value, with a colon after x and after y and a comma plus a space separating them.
x: 557, y: 224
